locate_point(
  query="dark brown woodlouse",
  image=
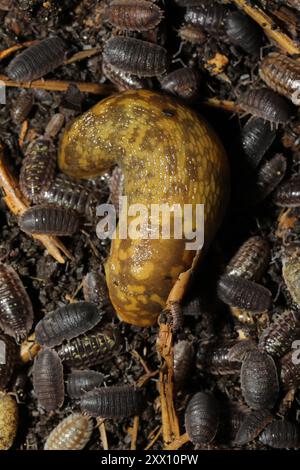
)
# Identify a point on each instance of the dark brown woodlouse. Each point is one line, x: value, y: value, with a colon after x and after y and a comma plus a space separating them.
x: 133, y: 15
x: 8, y: 359
x: 182, y: 82
x: 16, y: 313
x: 240, y: 349
x: 243, y: 32
x: 135, y: 56
x: 215, y: 358
x: 72, y: 433
x: 91, y: 348
x: 192, y: 34
x: 259, y: 380
x: 290, y: 369
x: 288, y: 193
x: 209, y: 15
x: 256, y: 138
x: 81, y: 381
x: 266, y: 104
x: 95, y: 290
x: 48, y: 379
x: 123, y: 80
x: 282, y: 74
x: 242, y: 293
x: 277, y: 339
x: 281, y: 435
x: 183, y: 354
x: 66, y: 323
x: 291, y: 270
x: 37, y: 60
x: 252, y: 425
x: 202, y: 417
x: 112, y: 402
x: 38, y: 169
x: 47, y: 219
x: 22, y: 107
x: 251, y: 259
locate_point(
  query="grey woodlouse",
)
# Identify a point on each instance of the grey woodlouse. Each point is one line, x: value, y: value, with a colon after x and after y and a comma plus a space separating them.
x: 256, y: 138
x: 243, y: 32
x: 66, y: 323
x: 123, y: 80
x: 242, y: 293
x: 290, y: 370
x: 282, y: 74
x: 252, y: 425
x: 209, y: 16
x: 95, y: 290
x: 240, y: 349
x: 9, y: 417
x: 182, y: 82
x: 47, y: 219
x: 38, y: 169
x: 16, y: 313
x: 81, y: 381
x: 54, y: 125
x: 291, y: 271
x: 89, y: 349
x: 202, y: 418
x: 112, y: 402
x: 37, y: 60
x: 251, y: 259
x: 281, y: 435
x: 288, y: 193
x: 277, y: 339
x: 266, y: 104
x: 48, y: 379
x: 192, y: 34
x: 133, y: 15
x: 72, y: 433
x: 259, y: 381
x: 22, y: 107
x: 135, y: 56
x: 8, y: 359
x: 183, y: 354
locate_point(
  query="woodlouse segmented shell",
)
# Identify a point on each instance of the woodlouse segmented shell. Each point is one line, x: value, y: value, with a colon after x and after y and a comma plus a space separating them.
x: 51, y: 220
x: 266, y: 104
x: 259, y: 381
x: 202, y: 418
x: 37, y: 60
x: 66, y: 323
x: 288, y: 193
x: 216, y: 359
x: 133, y: 15
x: 182, y: 82
x: 81, y: 381
x: 95, y: 289
x: 209, y: 16
x: 8, y: 421
x: 123, y: 80
x: 291, y: 271
x: 281, y: 435
x: 112, y: 402
x: 243, y: 32
x: 252, y: 426
x: 256, y: 138
x: 183, y: 355
x: 38, y: 169
x: 48, y: 379
x: 8, y: 359
x: 54, y: 125
x: 135, y: 56
x: 72, y: 433
x: 192, y: 34
x: 290, y: 370
x: 16, y: 314
x: 251, y: 259
x: 22, y: 107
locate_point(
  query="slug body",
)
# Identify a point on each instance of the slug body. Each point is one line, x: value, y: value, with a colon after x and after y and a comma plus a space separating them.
x: 167, y: 154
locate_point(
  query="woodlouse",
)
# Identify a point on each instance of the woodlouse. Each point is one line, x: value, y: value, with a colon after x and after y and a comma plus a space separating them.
x: 95, y: 290
x: 243, y: 32
x: 256, y: 138
x: 46, y: 219
x: 8, y: 421
x: 72, y: 433
x: 252, y: 425
x: 188, y: 3
x: 174, y: 315
x: 282, y: 74
x: 277, y: 339
x: 123, y: 80
x: 290, y: 370
x: 259, y: 381
x: 240, y: 349
x: 183, y: 353
x: 89, y: 349
x: 291, y: 271
x: 22, y: 107
x: 133, y: 15
x: 112, y: 402
x: 8, y: 359
x: 38, y: 169
x: 281, y: 435
x: 266, y: 104
x: 135, y: 56
x: 242, y: 293
x: 215, y: 358
x: 54, y: 125
x: 66, y: 323
x: 182, y: 82
x: 81, y: 381
x: 251, y: 259
x: 16, y: 313
x: 48, y: 379
x: 202, y: 418
x: 192, y: 34
x: 209, y: 16
x: 288, y: 193
x: 37, y: 60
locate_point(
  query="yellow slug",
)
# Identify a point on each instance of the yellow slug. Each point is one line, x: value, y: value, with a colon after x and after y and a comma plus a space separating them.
x: 168, y: 154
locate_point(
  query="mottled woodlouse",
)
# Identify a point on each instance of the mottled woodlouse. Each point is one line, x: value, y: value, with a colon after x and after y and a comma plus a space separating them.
x: 251, y: 259
x: 192, y: 34
x: 209, y: 16
x: 202, y: 417
x: 51, y: 220
x: 81, y: 381
x: 290, y: 370
x: 133, y: 15
x: 48, y: 379
x: 72, y: 433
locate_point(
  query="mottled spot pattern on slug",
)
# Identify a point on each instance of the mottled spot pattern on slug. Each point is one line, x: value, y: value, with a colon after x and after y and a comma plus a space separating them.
x: 172, y: 157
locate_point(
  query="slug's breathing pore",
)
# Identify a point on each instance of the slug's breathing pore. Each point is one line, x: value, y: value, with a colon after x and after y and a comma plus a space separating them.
x: 168, y: 154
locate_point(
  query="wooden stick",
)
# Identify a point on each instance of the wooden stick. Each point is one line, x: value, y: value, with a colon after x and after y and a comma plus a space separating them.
x: 10, y: 50
x: 183, y: 439
x: 226, y: 105
x: 102, y: 430
x: 134, y: 432
x: 154, y: 438
x: 83, y: 55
